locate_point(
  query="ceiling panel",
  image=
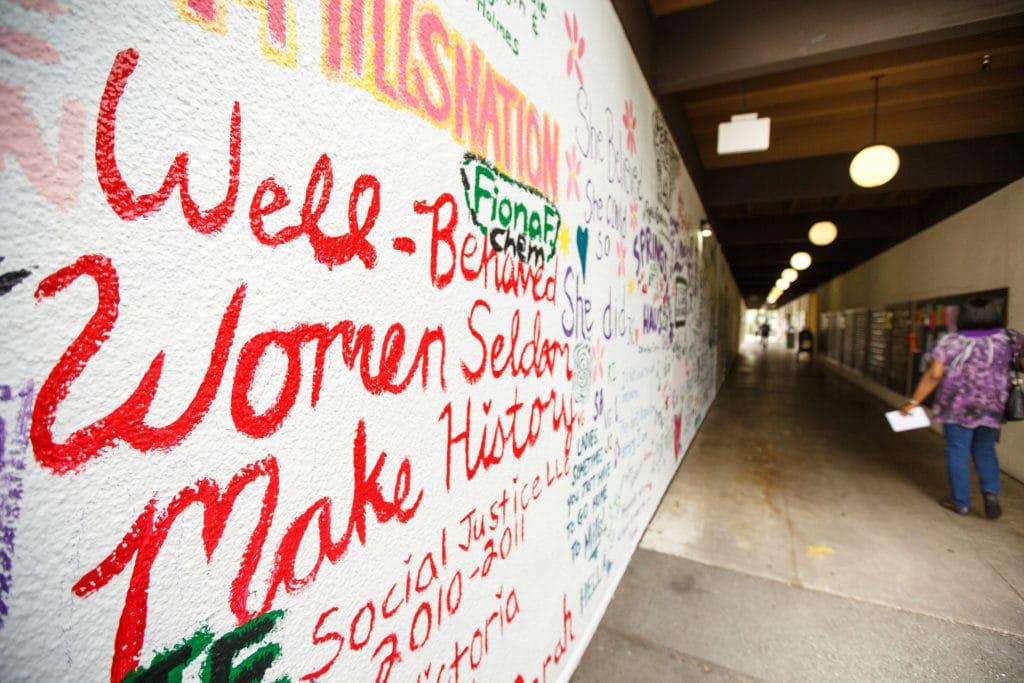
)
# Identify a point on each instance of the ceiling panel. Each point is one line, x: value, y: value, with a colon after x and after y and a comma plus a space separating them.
x: 926, y: 95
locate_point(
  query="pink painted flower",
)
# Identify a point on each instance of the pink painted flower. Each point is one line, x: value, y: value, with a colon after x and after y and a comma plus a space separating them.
x: 598, y: 360
x: 620, y: 249
x: 629, y: 121
x: 633, y: 211
x: 573, y: 164
x: 577, y: 45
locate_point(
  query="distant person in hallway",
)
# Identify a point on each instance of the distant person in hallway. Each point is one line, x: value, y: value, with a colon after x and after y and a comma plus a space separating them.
x: 971, y: 369
x: 765, y: 331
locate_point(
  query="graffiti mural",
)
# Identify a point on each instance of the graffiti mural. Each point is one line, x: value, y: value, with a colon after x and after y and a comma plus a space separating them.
x: 343, y: 339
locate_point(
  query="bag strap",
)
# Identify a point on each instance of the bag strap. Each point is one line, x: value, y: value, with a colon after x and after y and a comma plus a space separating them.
x: 1015, y: 356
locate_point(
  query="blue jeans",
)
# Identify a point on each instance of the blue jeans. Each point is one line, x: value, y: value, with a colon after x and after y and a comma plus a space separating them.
x: 962, y: 442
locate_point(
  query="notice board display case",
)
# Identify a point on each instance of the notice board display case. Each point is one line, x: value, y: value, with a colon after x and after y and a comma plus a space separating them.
x: 846, y: 350
x: 899, y: 350
x: 890, y: 344
x: 879, y: 344
x: 858, y: 323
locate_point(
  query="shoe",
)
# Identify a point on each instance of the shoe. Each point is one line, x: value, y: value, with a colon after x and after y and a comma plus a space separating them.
x: 950, y: 505
x: 992, y: 507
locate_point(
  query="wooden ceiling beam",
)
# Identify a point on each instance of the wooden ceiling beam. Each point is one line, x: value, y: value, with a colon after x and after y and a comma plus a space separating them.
x: 793, y: 228
x: 938, y: 91
x: 778, y: 255
x: 900, y: 67
x: 662, y: 7
x: 757, y: 253
x: 952, y: 120
x: 732, y: 40
x: 938, y: 165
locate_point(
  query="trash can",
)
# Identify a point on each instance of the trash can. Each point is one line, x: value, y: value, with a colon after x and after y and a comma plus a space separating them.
x: 806, y: 343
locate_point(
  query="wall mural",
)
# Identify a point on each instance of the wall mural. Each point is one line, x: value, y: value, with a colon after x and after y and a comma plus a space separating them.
x: 344, y: 339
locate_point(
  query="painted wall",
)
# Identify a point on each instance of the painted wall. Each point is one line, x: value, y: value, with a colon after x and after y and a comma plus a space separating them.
x: 979, y: 249
x: 343, y: 339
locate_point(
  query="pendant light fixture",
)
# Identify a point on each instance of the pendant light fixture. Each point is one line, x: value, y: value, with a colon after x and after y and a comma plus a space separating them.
x: 823, y: 233
x: 801, y: 260
x: 876, y: 164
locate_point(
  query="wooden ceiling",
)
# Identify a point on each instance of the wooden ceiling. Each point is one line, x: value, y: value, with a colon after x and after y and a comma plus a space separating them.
x: 958, y: 127
x: 931, y: 93
x: 663, y: 7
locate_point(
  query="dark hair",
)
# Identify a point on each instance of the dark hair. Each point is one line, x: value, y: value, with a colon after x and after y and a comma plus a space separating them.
x: 980, y: 314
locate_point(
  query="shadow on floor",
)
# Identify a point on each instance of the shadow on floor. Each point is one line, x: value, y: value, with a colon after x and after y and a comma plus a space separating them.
x: 801, y: 540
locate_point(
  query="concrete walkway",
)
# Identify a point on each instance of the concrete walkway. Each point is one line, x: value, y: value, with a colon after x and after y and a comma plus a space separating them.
x: 801, y: 540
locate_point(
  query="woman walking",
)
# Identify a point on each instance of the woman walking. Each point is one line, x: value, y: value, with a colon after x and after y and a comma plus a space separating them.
x: 971, y: 369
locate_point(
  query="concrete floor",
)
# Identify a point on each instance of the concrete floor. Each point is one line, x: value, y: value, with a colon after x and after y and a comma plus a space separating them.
x: 801, y: 540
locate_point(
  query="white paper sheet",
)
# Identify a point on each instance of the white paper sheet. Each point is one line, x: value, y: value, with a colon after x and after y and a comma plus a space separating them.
x: 916, y: 419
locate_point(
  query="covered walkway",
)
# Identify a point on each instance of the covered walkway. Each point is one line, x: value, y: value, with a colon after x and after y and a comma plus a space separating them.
x: 801, y: 540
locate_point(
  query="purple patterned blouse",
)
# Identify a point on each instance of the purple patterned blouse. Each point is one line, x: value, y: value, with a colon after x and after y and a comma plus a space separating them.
x: 976, y: 383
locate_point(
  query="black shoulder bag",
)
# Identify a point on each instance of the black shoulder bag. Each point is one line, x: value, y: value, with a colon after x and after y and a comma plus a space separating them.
x: 1015, y: 403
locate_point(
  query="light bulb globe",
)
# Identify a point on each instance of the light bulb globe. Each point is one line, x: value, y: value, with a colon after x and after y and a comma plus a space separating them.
x: 801, y: 260
x: 874, y: 166
x: 823, y: 233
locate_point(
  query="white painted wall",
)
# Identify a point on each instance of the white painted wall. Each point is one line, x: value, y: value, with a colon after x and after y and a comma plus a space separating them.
x: 980, y: 248
x: 172, y: 479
